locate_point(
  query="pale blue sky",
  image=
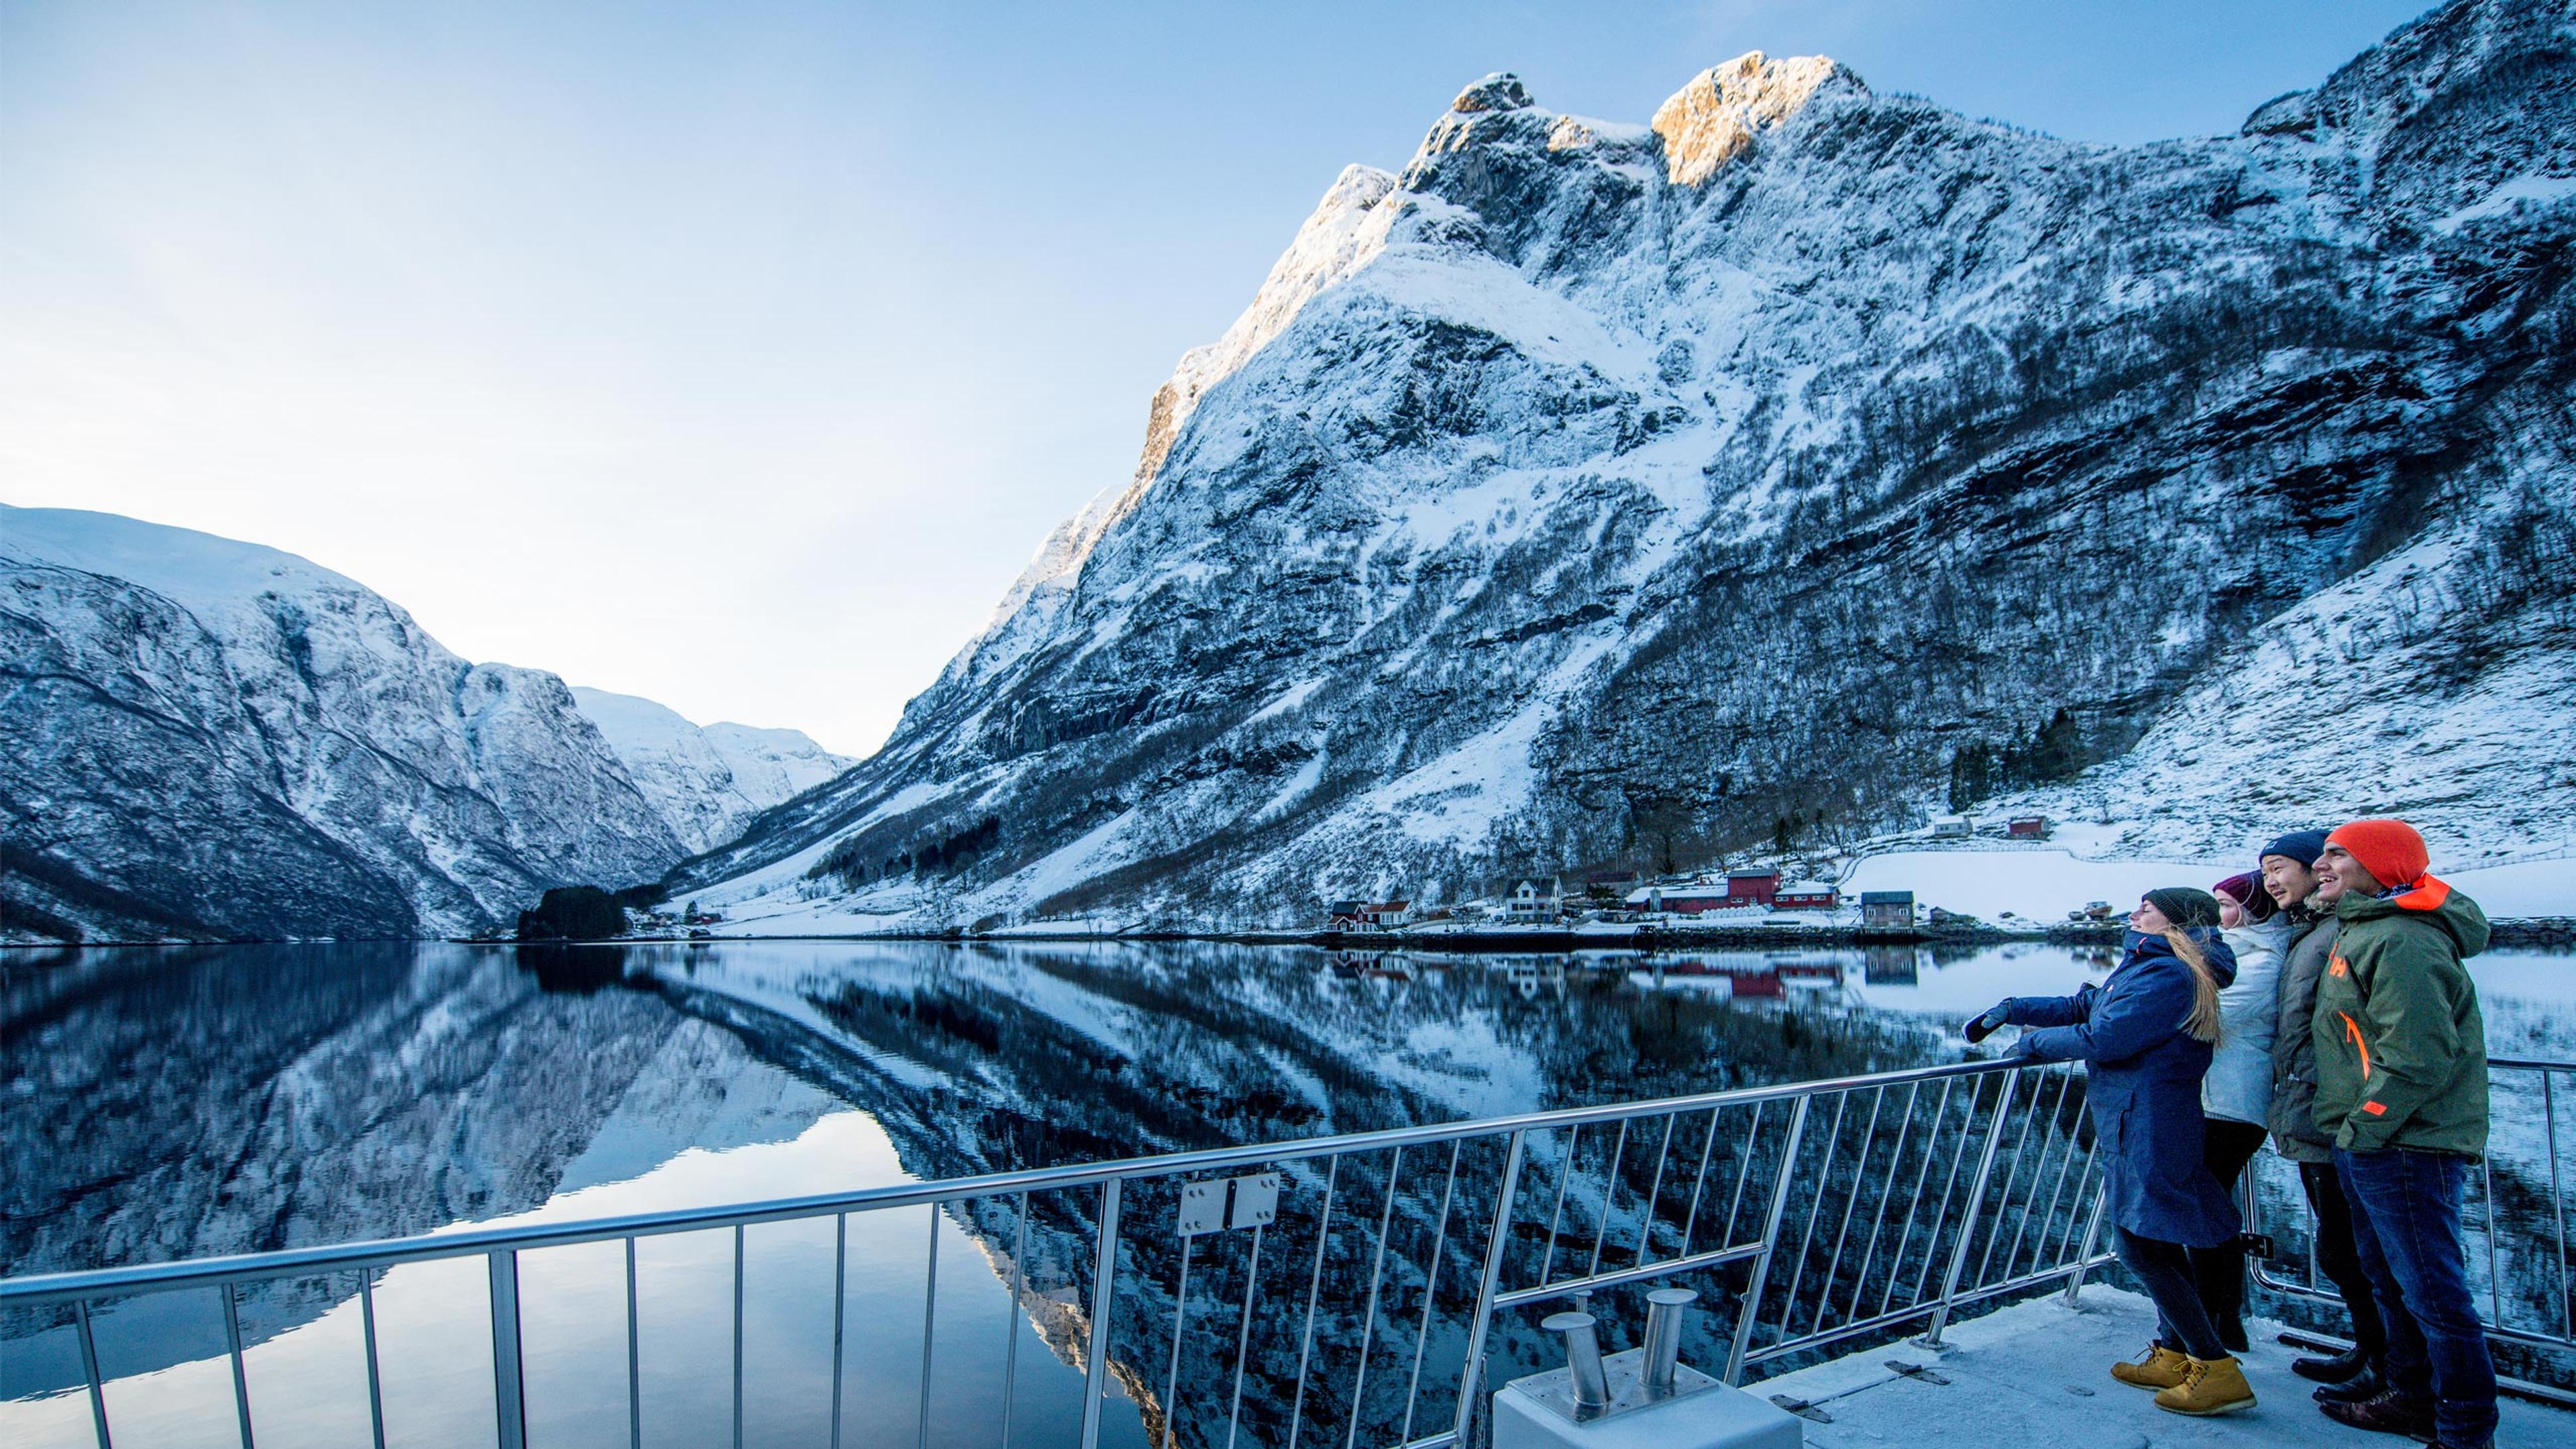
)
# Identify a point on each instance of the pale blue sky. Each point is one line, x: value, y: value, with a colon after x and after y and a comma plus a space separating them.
x: 739, y: 354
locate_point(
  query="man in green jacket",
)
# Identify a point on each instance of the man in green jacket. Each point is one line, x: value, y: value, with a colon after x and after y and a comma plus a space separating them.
x: 2290, y: 876
x: 2401, y: 1087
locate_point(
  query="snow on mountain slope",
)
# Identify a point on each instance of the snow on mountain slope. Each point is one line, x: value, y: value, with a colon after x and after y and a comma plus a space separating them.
x: 1596, y: 492
x: 708, y: 781
x: 211, y: 738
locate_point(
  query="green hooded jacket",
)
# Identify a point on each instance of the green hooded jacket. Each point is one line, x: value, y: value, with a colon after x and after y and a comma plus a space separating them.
x: 2401, y: 1049
x: 2293, y: 1117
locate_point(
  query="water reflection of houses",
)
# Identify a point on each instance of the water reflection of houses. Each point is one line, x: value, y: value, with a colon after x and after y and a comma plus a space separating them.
x: 1751, y: 975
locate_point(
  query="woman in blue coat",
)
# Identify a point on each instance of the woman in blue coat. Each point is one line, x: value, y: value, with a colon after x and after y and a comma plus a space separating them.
x: 2145, y: 1037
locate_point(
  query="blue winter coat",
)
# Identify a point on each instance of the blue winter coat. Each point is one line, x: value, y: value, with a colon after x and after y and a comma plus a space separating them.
x: 2142, y: 1084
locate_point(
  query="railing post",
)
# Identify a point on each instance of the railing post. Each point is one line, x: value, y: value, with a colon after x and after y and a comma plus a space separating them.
x: 1471, y: 1375
x: 1744, y: 1321
x: 1976, y: 1211
x: 1104, y: 1272
x: 2084, y: 1256
x: 509, y: 1406
x: 89, y: 1367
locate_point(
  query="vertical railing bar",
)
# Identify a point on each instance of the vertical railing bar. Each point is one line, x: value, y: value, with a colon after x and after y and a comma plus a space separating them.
x: 1011, y: 1320
x: 1815, y: 1206
x: 1646, y: 1221
x: 1886, y: 1200
x: 2012, y: 1175
x: 1743, y: 1169
x: 232, y: 1345
x: 375, y: 1372
x: 2065, y: 1160
x: 840, y: 1323
x: 2084, y: 1255
x: 2495, y: 1290
x: 1744, y: 1320
x: 1368, y: 1320
x: 1699, y: 1183
x: 1431, y: 1289
x: 635, y: 1358
x: 1243, y: 1336
x: 2557, y: 1203
x: 2039, y: 1169
x: 1573, y: 1145
x: 509, y: 1382
x: 1976, y: 1211
x: 1609, y: 1197
x: 1104, y: 1272
x: 1180, y: 1325
x: 1949, y: 1186
x: 89, y: 1367
x: 1314, y: 1287
x: 737, y: 1334
x: 1860, y: 1170
x: 929, y: 1323
x: 1469, y: 1374
x: 2083, y: 1175
x: 1914, y: 1200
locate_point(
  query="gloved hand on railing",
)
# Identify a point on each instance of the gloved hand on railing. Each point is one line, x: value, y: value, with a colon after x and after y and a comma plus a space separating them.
x: 1981, y: 1027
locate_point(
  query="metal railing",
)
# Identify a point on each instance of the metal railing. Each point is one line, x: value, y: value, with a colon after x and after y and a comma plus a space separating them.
x: 2526, y: 1279
x: 1364, y: 1289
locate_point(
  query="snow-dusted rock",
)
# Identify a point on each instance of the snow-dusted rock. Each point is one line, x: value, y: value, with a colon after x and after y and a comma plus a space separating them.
x: 708, y: 781
x: 211, y: 738
x: 1592, y: 485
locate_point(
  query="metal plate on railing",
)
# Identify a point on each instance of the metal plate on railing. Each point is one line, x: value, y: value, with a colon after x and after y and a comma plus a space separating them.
x: 1228, y: 1202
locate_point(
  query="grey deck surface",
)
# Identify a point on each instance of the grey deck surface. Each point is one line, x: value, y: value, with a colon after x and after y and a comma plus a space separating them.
x: 2038, y: 1374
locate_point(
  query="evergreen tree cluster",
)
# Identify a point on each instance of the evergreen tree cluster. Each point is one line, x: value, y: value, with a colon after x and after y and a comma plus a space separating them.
x: 2049, y: 754
x: 573, y: 913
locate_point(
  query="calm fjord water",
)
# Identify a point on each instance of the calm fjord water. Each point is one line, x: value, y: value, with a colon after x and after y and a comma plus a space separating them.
x: 177, y: 1103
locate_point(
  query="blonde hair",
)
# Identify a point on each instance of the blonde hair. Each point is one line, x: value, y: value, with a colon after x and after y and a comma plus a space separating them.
x: 2202, y: 1023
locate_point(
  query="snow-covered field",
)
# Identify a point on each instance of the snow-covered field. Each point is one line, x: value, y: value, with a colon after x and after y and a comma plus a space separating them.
x: 2044, y: 884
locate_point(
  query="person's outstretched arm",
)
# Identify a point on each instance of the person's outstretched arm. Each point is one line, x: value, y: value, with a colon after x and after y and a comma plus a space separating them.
x: 2148, y: 1007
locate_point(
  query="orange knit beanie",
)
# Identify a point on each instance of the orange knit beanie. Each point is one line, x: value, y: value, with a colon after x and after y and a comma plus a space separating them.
x: 2390, y: 850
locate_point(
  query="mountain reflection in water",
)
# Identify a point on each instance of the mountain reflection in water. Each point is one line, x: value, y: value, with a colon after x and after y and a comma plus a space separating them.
x: 169, y: 1104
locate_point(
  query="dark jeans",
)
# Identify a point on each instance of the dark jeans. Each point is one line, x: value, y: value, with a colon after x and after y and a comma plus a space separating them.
x: 2406, y: 1228
x: 2225, y: 1146
x: 2338, y: 1259
x: 2164, y: 1270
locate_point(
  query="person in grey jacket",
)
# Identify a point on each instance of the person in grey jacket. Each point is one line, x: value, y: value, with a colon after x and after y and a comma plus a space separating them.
x: 2290, y: 878
x: 2236, y: 1096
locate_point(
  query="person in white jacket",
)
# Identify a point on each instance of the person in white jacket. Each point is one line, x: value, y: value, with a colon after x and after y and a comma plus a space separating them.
x: 2236, y: 1096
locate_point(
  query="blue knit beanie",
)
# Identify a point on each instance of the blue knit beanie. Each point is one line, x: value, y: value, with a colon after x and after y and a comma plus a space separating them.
x: 2303, y: 846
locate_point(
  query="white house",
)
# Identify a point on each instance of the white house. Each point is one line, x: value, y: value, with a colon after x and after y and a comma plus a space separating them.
x: 1536, y: 902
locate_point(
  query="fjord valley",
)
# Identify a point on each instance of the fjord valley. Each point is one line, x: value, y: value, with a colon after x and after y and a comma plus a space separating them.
x: 1759, y: 480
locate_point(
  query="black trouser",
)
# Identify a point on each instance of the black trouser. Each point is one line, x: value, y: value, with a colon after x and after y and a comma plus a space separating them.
x: 2226, y: 1146
x: 2337, y: 1258
x: 2164, y: 1270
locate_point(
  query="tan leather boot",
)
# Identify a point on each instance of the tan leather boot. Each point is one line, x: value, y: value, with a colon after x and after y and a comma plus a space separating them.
x: 2209, y: 1386
x: 2158, y: 1368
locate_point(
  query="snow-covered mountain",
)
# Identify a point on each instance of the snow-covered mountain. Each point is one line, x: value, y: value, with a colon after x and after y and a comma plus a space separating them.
x: 210, y: 738
x: 708, y: 781
x: 1592, y: 491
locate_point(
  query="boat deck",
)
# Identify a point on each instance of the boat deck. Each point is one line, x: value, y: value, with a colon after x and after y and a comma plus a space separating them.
x: 2038, y: 1375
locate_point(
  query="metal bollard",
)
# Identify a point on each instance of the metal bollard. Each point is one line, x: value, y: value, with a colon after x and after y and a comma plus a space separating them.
x: 1663, y: 1346
x: 1582, y: 1356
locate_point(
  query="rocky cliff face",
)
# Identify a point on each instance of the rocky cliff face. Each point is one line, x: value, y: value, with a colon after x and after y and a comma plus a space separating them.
x: 1593, y: 492
x: 214, y: 739
x: 707, y: 781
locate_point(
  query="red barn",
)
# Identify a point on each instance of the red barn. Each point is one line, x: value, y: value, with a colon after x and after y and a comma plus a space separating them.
x: 2028, y: 827
x: 1752, y: 887
x: 1806, y: 897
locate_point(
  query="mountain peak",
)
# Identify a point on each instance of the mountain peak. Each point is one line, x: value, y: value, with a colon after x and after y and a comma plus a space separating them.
x: 1708, y: 122
x: 1501, y: 91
